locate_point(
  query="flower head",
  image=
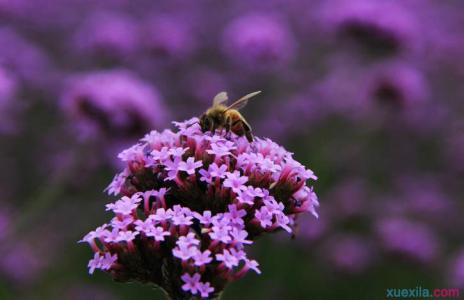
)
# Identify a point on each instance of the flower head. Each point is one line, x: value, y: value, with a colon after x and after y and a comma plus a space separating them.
x: 194, y: 211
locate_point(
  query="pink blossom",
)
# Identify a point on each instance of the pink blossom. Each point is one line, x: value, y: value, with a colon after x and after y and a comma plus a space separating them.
x: 202, y: 258
x: 184, y: 252
x: 188, y: 240
x: 235, y: 181
x: 127, y: 236
x: 264, y: 217
x: 158, y: 233
x: 189, y: 166
x: 239, y: 236
x: 205, y: 289
x: 204, y: 218
x: 217, y: 171
x: 228, y: 259
x: 191, y: 282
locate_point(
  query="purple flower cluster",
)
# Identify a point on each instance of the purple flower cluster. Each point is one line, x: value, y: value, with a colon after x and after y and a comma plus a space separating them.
x: 102, y: 103
x: 259, y: 41
x: 168, y: 37
x: 409, y: 239
x: 25, y: 60
x: 375, y: 26
x: 108, y: 36
x: 190, y: 203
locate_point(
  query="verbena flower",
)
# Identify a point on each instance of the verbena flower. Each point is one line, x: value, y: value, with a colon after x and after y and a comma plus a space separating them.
x: 187, y: 209
x: 397, y: 86
x: 389, y: 91
x: 103, y: 102
x: 410, y: 239
x: 168, y: 37
x: 103, y: 35
x: 257, y: 40
x: 26, y: 61
x: 23, y: 262
x: 384, y: 27
x: 349, y: 253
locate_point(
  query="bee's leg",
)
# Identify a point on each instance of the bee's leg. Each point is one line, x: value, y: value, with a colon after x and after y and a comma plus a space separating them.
x: 212, y: 127
x: 247, y: 130
x: 228, y: 126
x: 249, y: 136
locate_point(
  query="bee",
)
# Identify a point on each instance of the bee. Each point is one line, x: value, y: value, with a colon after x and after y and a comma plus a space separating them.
x: 220, y: 116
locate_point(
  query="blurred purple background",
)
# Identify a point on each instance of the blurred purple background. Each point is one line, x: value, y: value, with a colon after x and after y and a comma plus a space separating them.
x: 368, y: 94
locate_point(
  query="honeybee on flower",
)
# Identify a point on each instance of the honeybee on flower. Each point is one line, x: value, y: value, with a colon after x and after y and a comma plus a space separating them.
x: 220, y: 116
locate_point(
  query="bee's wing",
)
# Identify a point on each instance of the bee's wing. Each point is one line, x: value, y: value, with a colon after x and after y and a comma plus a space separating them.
x: 240, y: 103
x: 220, y: 98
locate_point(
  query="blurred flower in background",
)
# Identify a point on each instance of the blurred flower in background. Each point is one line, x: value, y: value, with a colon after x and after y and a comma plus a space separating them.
x: 381, y: 28
x: 258, y: 42
x: 350, y: 254
x: 410, y: 239
x: 106, y: 37
x: 105, y: 103
x: 25, y: 60
x: 113, y: 107
x: 367, y: 92
x: 168, y: 37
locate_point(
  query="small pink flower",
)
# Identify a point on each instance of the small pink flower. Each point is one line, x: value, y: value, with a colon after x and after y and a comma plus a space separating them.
x: 205, y: 289
x: 235, y: 181
x: 191, y: 282
x: 189, y: 166
x: 228, y: 259
x: 158, y: 233
x: 202, y: 258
